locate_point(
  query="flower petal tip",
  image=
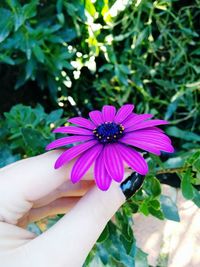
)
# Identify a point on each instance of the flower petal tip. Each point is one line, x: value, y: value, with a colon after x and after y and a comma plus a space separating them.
x: 75, y: 178
x: 103, y: 187
x: 130, y: 105
x: 55, y: 130
x: 144, y: 172
x: 47, y: 148
x: 57, y: 165
x: 171, y: 149
x: 165, y: 122
x: 118, y: 178
x: 74, y: 181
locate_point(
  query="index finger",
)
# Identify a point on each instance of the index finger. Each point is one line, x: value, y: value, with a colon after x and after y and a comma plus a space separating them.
x: 36, y: 177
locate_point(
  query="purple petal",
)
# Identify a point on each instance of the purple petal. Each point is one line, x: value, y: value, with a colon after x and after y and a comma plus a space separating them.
x: 155, y: 129
x: 96, y: 117
x: 153, y: 143
x: 142, y: 145
x: 73, y: 152
x: 136, y: 119
x: 134, y: 159
x: 131, y: 116
x: 82, y: 122
x: 123, y: 113
x: 148, y: 133
x: 68, y: 140
x: 72, y: 130
x: 84, y: 162
x: 108, y: 113
x: 146, y: 124
x: 102, y: 178
x: 113, y: 162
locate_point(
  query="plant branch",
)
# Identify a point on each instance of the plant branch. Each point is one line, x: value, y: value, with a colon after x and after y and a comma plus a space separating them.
x: 172, y: 170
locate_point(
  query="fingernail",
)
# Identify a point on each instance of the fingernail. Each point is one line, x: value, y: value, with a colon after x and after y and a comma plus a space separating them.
x: 132, y: 184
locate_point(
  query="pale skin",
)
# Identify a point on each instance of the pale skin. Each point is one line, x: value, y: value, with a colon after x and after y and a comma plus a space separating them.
x: 31, y: 189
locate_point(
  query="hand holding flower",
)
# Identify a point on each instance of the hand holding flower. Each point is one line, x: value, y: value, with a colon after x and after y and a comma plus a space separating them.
x: 31, y: 189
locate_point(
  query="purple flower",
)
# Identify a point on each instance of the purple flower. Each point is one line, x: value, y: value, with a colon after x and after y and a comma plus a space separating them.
x: 107, y: 141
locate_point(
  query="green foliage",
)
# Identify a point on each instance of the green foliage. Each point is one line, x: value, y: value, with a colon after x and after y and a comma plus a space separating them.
x: 148, y: 47
x: 186, y: 185
x: 26, y: 131
x: 169, y: 208
x: 147, y: 199
x: 185, y: 135
x: 116, y: 245
x: 80, y: 55
x: 190, y: 177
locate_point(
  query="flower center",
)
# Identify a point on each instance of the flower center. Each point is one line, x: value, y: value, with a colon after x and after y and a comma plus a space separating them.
x: 108, y: 132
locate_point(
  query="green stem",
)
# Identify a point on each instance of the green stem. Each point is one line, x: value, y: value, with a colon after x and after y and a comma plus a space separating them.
x: 173, y: 170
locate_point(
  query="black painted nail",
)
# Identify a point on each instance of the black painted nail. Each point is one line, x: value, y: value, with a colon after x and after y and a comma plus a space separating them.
x: 132, y: 184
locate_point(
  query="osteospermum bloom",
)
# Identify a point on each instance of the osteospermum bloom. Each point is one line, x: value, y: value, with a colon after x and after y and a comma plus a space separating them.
x: 109, y: 139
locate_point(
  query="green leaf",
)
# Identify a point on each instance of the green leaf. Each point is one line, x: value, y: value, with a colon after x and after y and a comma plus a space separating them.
x: 103, y: 254
x: 164, y: 84
x: 188, y: 31
x: 6, y: 59
x: 196, y: 165
x: 186, y: 186
x: 39, y: 54
x: 59, y: 6
x: 89, y: 6
x: 124, y: 69
x: 141, y: 258
x: 185, y: 135
x: 6, y: 23
x: 34, y: 140
x: 30, y: 67
x: 134, y: 207
x: 196, y: 52
x: 108, y: 67
x: 6, y: 156
x: 156, y: 213
x: 121, y: 75
x: 171, y: 109
x: 196, y: 198
x: 68, y: 35
x: 32, y: 227
x: 193, y: 158
x: 155, y: 204
x: 61, y: 18
x: 54, y: 116
x: 21, y: 14
x: 144, y: 208
x: 20, y: 80
x: 53, y: 87
x: 142, y: 36
x: 29, y: 10
x: 175, y: 162
x: 169, y: 208
x: 155, y: 187
x: 18, y: 18
x: 104, y: 235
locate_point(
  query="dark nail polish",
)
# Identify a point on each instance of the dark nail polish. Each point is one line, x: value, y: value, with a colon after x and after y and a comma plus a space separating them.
x: 132, y: 184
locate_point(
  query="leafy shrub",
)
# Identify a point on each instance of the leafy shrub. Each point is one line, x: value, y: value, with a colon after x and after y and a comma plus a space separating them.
x: 26, y: 131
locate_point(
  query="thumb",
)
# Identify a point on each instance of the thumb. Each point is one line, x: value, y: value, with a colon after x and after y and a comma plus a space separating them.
x: 70, y: 240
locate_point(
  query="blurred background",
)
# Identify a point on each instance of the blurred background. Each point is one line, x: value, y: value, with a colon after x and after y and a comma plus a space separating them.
x: 64, y: 58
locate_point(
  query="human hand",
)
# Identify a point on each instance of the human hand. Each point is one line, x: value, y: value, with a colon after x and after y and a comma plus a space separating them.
x: 31, y: 189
